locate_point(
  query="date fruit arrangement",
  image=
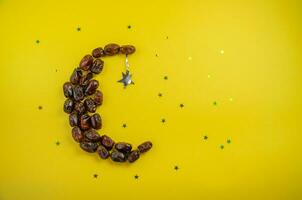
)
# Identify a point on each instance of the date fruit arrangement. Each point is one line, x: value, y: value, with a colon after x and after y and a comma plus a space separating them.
x: 83, y: 98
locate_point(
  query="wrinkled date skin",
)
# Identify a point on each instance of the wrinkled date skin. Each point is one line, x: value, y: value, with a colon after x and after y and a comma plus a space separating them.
x: 78, y: 93
x: 98, y: 52
x: 96, y: 121
x: 77, y: 134
x: 117, y: 156
x: 90, y: 105
x: 97, y: 66
x: 127, y: 49
x: 68, y: 106
x: 85, y: 122
x: 91, y: 87
x: 68, y: 89
x: 103, y: 152
x: 90, y: 147
x: 98, y: 98
x: 111, y: 49
x: 79, y: 107
x: 92, y: 136
x: 133, y: 156
x: 123, y: 147
x: 76, y: 76
x: 73, y: 119
x: 84, y: 80
x: 107, y: 142
x: 144, y: 147
x: 86, y: 62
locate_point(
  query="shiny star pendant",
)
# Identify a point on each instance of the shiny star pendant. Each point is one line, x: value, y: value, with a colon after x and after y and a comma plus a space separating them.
x: 126, y: 80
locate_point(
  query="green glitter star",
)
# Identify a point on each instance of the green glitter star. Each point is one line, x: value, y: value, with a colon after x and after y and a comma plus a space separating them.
x: 229, y: 141
x: 37, y: 41
x: 221, y: 146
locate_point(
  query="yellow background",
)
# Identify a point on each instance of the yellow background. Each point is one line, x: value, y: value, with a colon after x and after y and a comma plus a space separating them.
x: 243, y: 55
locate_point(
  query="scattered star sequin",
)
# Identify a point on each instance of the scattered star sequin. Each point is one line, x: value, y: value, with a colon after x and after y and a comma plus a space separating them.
x: 167, y: 37
x: 129, y: 26
x: 176, y: 168
x: 58, y: 143
x: 221, y: 51
x: 215, y: 103
x: 95, y: 176
x: 136, y: 176
x: 163, y: 120
x: 166, y: 77
x: 124, y: 125
x: 181, y: 105
x: 40, y: 107
x: 38, y: 41
x: 79, y: 29
x: 221, y: 146
x: 160, y: 94
x: 56, y: 70
x: 205, y: 137
x: 229, y: 141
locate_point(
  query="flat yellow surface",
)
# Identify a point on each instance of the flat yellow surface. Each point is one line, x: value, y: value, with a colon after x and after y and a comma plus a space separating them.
x: 234, y: 65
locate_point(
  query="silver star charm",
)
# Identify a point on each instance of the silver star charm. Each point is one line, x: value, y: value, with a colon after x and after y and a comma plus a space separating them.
x: 126, y: 80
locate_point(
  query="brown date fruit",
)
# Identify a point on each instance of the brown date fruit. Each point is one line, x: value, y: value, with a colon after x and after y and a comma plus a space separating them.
x: 78, y: 93
x: 107, y: 142
x: 68, y: 106
x: 84, y: 80
x: 117, y: 156
x: 86, y: 62
x: 144, y: 147
x: 133, y: 156
x: 77, y: 134
x: 98, y: 98
x: 97, y: 66
x: 111, y: 49
x: 103, y: 152
x: 73, y: 119
x: 96, y: 121
x: 76, y: 76
x: 79, y: 107
x: 92, y: 135
x: 85, y: 122
x: 123, y: 147
x: 91, y: 87
x: 90, y: 147
x: 68, y: 89
x: 98, y: 52
x: 90, y: 105
x: 127, y: 49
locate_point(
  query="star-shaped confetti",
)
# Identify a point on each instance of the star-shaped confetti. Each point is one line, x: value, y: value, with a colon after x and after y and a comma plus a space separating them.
x: 129, y: 26
x: 40, y: 107
x: 136, y: 176
x: 79, y: 29
x: 37, y: 41
x: 163, y: 120
x: 160, y: 94
x: 215, y: 103
x: 95, y: 176
x: 166, y: 77
x: 221, y: 146
x: 181, y: 105
x: 205, y: 137
x: 58, y: 143
x: 156, y: 55
x: 176, y: 167
x: 229, y: 141
x: 126, y: 80
x: 124, y: 125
